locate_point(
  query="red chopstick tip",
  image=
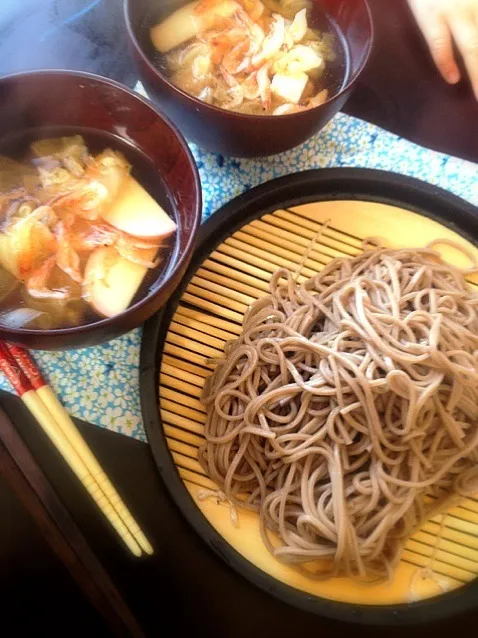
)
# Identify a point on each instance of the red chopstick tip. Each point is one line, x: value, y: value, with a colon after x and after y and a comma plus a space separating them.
x: 12, y: 371
x: 27, y: 364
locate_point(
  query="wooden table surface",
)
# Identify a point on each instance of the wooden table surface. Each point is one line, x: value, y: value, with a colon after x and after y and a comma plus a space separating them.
x: 184, y: 587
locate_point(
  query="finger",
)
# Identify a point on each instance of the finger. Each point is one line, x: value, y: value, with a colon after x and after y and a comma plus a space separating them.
x: 465, y: 32
x: 438, y: 37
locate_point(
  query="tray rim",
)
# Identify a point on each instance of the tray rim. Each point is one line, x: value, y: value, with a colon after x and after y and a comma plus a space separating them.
x: 293, y: 190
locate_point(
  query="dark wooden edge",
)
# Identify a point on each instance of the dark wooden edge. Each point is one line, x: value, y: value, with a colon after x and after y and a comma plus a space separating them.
x: 33, y: 489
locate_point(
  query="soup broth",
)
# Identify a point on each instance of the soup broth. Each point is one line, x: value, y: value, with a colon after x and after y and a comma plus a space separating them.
x: 257, y: 57
x: 85, y: 228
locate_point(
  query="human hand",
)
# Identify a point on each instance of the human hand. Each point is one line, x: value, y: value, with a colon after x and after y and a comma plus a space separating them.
x: 441, y: 22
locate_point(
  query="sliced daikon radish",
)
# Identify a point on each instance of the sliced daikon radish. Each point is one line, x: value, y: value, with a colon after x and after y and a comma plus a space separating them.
x: 111, y: 281
x: 289, y: 87
x: 188, y: 21
x: 135, y: 212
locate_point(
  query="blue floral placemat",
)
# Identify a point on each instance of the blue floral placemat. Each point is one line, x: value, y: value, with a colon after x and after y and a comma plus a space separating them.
x: 101, y: 384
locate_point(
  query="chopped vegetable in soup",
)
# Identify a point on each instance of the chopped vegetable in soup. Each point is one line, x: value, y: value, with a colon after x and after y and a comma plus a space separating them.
x: 77, y: 235
x: 250, y: 56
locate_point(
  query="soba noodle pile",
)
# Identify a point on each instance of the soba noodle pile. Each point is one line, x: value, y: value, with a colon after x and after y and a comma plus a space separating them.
x: 346, y: 412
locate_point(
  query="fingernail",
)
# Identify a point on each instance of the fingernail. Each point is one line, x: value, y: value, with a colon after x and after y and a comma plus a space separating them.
x: 453, y: 76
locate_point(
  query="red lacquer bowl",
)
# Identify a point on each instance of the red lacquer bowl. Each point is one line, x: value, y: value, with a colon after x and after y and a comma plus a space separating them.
x: 71, y: 99
x: 232, y: 133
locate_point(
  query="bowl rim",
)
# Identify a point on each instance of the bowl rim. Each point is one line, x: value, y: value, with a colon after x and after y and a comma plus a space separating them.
x: 247, y: 116
x: 323, y: 184
x: 177, y: 265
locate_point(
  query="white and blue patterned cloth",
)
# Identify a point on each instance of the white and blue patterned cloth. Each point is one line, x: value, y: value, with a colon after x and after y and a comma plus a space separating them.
x: 101, y: 384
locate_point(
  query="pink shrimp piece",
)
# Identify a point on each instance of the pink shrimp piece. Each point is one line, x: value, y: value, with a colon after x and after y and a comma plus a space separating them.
x: 37, y: 283
x: 236, y: 60
x: 219, y: 47
x: 258, y: 84
x: 250, y: 87
x: 254, y: 8
x: 133, y: 253
x: 85, y: 201
x: 264, y: 85
x: 235, y: 97
x: 93, y: 236
x: 312, y: 102
x: 272, y: 42
x: 185, y: 53
x: 129, y: 247
x: 227, y: 37
x: 66, y: 257
x: 137, y: 242
x: 228, y: 77
x: 318, y: 99
x: 256, y: 34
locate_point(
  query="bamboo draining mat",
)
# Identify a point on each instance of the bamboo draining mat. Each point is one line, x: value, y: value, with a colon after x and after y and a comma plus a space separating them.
x: 210, y: 313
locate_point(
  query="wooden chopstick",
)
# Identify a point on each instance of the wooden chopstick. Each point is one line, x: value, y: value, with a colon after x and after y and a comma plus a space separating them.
x: 34, y: 403
x: 70, y: 431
